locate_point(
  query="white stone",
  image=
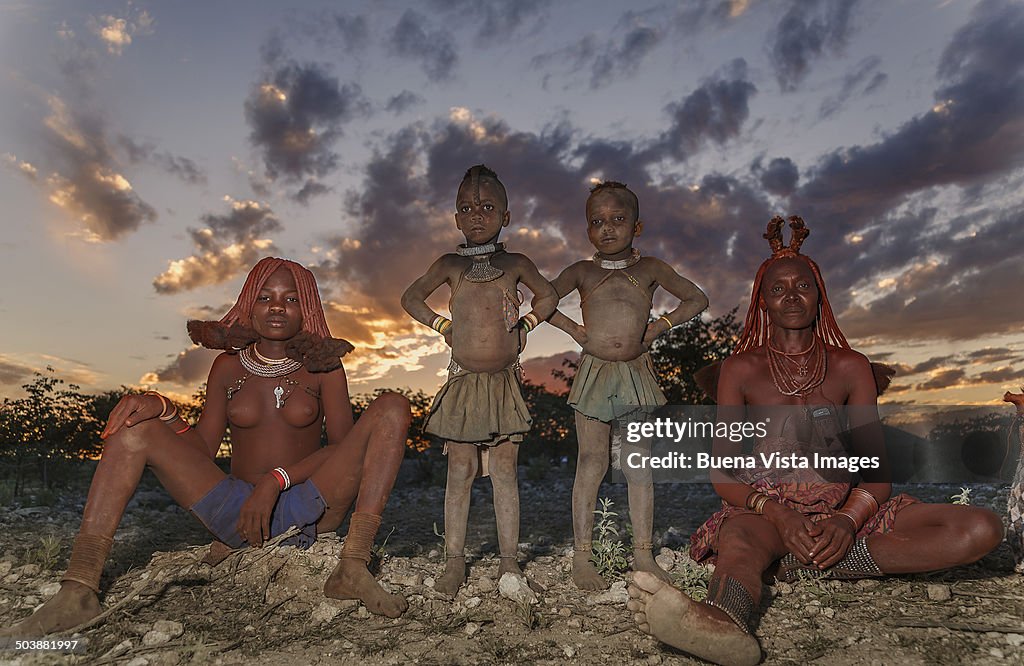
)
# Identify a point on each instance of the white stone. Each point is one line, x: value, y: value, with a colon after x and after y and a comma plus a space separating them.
x: 30, y: 570
x: 515, y: 588
x: 362, y: 613
x: 664, y: 561
x: 616, y: 594
x: 169, y: 627
x: 472, y: 602
x: 1015, y: 640
x: 154, y: 637
x: 30, y: 600
x: 996, y: 652
x: 428, y: 581
x: 5, y: 568
x: 138, y: 661
x: 569, y: 652
x: 575, y: 623
x: 49, y: 589
x: 325, y: 612
x: 939, y: 592
x: 471, y: 628
x: 485, y: 585
x: 565, y: 612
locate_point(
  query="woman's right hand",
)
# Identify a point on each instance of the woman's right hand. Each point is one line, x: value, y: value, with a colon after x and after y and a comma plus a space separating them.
x: 794, y: 529
x: 132, y: 410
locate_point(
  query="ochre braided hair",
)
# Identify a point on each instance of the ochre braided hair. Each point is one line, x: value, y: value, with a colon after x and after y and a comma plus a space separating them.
x: 314, y: 346
x: 757, y: 326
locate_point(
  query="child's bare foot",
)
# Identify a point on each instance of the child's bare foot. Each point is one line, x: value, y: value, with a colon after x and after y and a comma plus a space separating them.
x: 351, y: 580
x: 453, y: 577
x: 584, y: 573
x: 73, y: 604
x: 643, y: 560
x: 509, y: 565
x: 672, y: 617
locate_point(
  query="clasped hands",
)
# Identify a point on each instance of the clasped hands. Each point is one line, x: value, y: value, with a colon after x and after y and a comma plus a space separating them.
x: 822, y: 544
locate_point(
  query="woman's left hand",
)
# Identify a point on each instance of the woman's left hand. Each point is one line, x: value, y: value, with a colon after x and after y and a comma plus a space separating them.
x: 254, y: 517
x: 833, y: 538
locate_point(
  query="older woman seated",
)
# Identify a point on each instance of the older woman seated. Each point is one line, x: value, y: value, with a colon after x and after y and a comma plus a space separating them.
x: 793, y: 370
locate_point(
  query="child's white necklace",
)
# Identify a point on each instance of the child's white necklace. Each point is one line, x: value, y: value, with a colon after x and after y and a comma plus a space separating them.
x: 618, y: 264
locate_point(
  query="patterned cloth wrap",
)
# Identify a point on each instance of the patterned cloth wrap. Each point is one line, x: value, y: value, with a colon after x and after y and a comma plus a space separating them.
x: 301, y: 506
x: 480, y: 407
x: 817, y: 494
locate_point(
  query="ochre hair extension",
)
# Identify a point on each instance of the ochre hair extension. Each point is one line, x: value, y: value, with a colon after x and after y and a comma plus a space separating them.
x: 756, y: 327
x: 314, y: 346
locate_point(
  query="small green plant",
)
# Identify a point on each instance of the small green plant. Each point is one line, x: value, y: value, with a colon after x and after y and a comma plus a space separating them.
x: 380, y: 552
x: 693, y: 580
x: 46, y: 554
x: 608, y: 552
x: 963, y: 497
x: 444, y: 548
x: 527, y: 614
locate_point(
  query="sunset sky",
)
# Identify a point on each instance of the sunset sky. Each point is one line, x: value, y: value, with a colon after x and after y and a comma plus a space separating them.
x: 151, y: 152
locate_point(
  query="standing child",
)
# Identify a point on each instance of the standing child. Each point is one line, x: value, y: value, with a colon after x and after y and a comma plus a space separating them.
x: 480, y: 412
x: 615, y: 375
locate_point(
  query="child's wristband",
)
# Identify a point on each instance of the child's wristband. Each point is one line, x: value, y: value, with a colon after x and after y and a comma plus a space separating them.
x: 667, y: 320
x: 529, y: 322
x: 441, y: 324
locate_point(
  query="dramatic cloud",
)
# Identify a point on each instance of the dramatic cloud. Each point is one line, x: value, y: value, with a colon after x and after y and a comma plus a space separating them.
x: 693, y: 16
x: 87, y: 182
x: 943, y: 379
x: 182, y: 167
x: 116, y: 33
x: 616, y: 55
x: 713, y: 112
x: 779, y: 177
x: 808, y: 29
x: 403, y: 101
x: 864, y: 79
x: 227, y: 246
x: 497, y: 20
x: 14, y: 373
x: 879, y: 199
x: 24, y: 168
x: 296, y: 115
x: 188, y: 368
x: 433, y: 50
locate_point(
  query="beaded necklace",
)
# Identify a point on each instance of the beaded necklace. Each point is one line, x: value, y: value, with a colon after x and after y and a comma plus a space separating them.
x: 481, y: 270
x: 261, y: 366
x: 795, y: 377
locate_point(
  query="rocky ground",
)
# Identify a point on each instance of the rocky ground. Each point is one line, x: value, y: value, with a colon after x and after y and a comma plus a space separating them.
x: 266, y: 605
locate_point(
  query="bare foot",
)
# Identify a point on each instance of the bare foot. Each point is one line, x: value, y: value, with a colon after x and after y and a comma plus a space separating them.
x: 73, y: 604
x: 351, y: 580
x: 584, y: 573
x: 672, y: 617
x: 643, y: 560
x: 453, y: 577
x: 509, y: 565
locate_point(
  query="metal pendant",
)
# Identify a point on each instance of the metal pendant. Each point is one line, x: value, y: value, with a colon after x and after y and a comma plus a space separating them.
x: 278, y: 393
x: 482, y: 271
